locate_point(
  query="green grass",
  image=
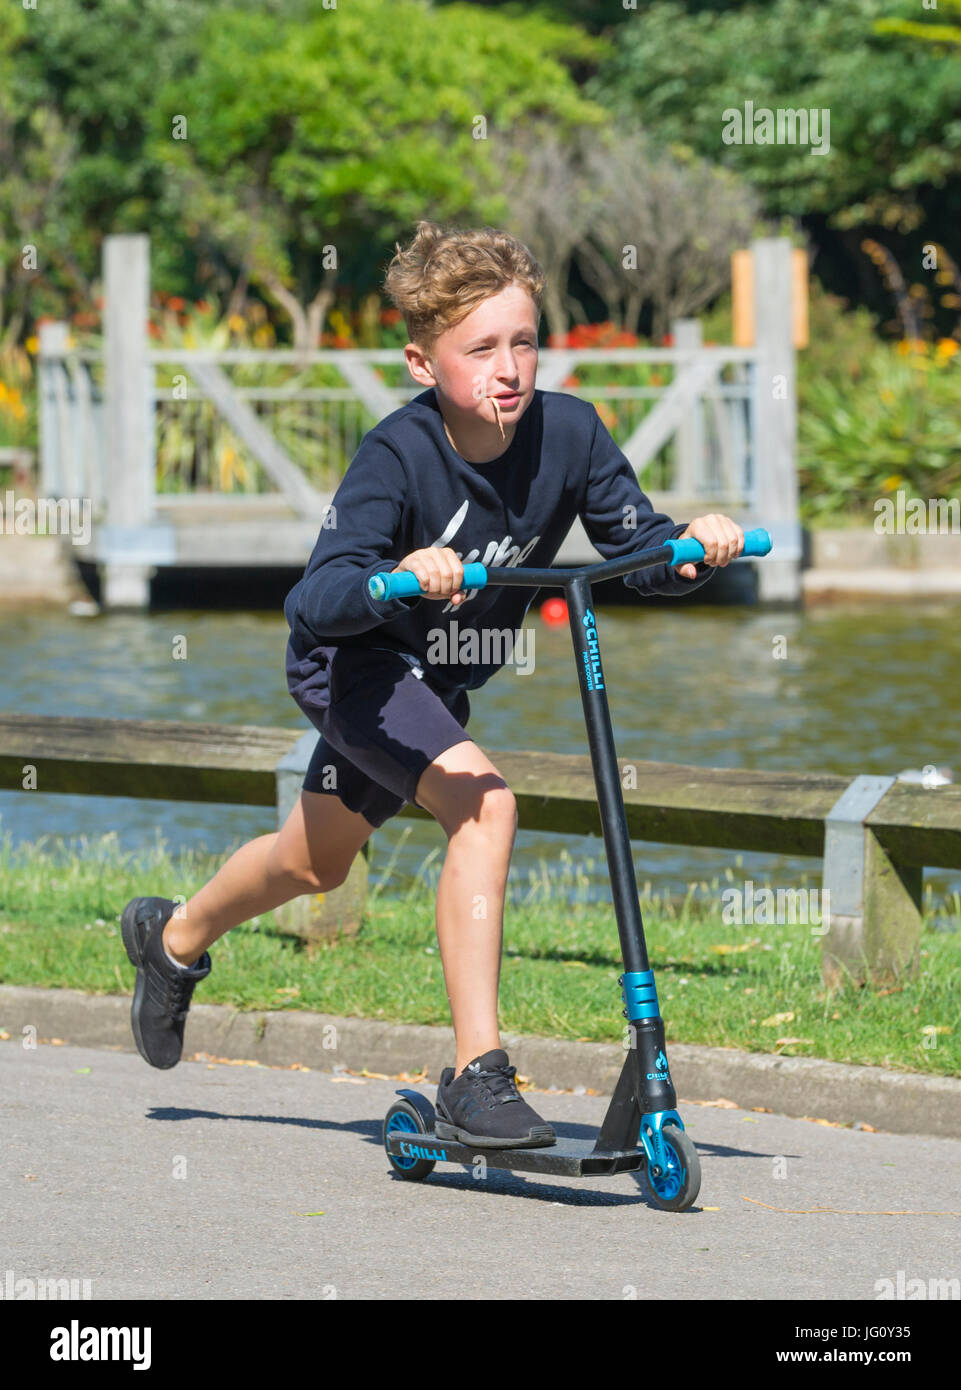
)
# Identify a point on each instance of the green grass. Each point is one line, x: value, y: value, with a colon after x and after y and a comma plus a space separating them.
x: 59, y: 928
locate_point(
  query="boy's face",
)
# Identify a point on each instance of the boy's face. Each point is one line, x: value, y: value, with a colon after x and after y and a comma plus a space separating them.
x: 492, y: 352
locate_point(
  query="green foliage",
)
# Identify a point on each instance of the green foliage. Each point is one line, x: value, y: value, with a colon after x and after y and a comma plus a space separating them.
x: 873, y: 416
x: 76, y: 86
x: 306, y: 127
x: 18, y: 399
x: 895, y: 127
x: 341, y: 129
x: 928, y: 30
x: 719, y: 984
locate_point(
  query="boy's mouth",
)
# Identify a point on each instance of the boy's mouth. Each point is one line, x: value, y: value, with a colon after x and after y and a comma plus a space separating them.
x: 505, y: 402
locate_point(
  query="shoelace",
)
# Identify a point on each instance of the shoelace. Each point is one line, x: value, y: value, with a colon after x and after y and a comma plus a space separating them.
x: 499, y: 1082
x: 178, y: 996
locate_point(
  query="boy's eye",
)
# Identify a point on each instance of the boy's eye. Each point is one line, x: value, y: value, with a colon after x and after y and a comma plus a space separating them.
x: 526, y: 342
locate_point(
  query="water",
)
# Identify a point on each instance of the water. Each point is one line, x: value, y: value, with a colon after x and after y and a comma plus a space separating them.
x: 862, y: 688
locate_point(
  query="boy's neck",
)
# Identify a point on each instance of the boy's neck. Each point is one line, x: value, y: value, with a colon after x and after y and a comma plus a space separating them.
x: 483, y: 445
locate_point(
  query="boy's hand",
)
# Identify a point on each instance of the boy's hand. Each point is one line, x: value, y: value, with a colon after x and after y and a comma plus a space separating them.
x: 721, y: 538
x: 439, y: 572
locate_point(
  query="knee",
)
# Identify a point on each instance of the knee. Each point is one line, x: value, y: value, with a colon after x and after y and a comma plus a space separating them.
x: 306, y: 879
x: 310, y: 882
x: 498, y: 812
x: 462, y: 800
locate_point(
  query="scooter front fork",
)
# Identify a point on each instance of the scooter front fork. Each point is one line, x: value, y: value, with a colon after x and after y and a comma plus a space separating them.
x: 654, y: 1090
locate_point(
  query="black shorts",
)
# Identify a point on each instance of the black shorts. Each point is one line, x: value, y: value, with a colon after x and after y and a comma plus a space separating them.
x: 380, y: 724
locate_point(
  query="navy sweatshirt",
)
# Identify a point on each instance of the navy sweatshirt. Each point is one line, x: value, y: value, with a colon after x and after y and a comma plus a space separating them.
x: 407, y: 488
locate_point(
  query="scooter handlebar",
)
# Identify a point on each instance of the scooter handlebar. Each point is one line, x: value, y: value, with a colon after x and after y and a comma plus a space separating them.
x: 404, y: 584
x: 689, y: 551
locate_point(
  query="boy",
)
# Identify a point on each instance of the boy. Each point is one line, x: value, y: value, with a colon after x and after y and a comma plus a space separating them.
x: 479, y: 466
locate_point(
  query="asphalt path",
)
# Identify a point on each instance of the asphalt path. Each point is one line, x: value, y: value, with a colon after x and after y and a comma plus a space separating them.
x: 216, y: 1181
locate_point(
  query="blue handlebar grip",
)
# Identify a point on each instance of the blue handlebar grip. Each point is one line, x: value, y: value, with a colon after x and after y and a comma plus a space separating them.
x: 405, y: 583
x: 689, y: 551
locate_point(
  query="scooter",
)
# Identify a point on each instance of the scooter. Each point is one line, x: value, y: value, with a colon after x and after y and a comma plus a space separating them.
x: 642, y: 1130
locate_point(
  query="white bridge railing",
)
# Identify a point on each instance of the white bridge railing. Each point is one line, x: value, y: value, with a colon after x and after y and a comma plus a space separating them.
x: 144, y: 431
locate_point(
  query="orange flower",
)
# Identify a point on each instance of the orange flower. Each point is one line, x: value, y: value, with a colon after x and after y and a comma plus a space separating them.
x: 176, y: 303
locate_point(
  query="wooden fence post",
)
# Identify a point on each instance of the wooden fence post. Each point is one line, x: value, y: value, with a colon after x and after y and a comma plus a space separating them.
x: 51, y: 375
x: 689, y: 439
x: 123, y: 550
x: 317, y: 916
x: 872, y: 903
x: 775, y: 462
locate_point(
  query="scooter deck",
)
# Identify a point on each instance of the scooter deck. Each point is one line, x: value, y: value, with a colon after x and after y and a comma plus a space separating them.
x: 566, y: 1157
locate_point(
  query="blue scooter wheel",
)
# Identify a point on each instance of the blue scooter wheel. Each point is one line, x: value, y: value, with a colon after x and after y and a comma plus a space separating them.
x: 404, y: 1117
x: 677, y: 1186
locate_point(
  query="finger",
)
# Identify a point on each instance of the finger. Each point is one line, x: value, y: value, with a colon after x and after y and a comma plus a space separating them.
x: 688, y: 571
x: 702, y: 531
x: 425, y: 575
x: 449, y: 582
x: 456, y: 565
x: 721, y: 539
x: 452, y: 573
x: 732, y: 541
x: 712, y: 538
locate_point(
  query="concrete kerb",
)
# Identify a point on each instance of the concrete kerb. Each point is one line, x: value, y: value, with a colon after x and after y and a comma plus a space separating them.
x: 897, y: 1102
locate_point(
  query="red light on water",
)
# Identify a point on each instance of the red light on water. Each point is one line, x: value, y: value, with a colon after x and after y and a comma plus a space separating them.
x: 554, y: 612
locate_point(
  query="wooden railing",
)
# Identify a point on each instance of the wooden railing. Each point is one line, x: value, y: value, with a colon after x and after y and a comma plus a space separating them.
x: 873, y: 868
x: 702, y: 418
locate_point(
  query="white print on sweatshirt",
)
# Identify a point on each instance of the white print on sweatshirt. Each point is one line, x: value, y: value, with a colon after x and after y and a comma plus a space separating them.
x: 498, y: 553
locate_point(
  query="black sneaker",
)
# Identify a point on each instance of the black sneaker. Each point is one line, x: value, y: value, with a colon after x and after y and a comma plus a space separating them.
x: 162, y: 994
x: 482, y: 1106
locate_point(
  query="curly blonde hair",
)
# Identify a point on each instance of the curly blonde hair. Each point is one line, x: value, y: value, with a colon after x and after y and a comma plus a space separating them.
x: 445, y: 272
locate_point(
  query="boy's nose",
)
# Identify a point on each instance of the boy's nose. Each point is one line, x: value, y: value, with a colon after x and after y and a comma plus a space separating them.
x: 506, y: 374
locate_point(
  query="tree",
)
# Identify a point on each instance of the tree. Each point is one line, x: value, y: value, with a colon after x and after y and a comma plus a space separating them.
x: 893, y: 105
x: 76, y: 87
x: 681, y: 220
x: 37, y: 150
x: 550, y: 203
x: 312, y: 145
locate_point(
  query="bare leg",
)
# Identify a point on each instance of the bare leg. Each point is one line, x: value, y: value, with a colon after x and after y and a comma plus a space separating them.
x: 477, y: 811
x: 312, y: 853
